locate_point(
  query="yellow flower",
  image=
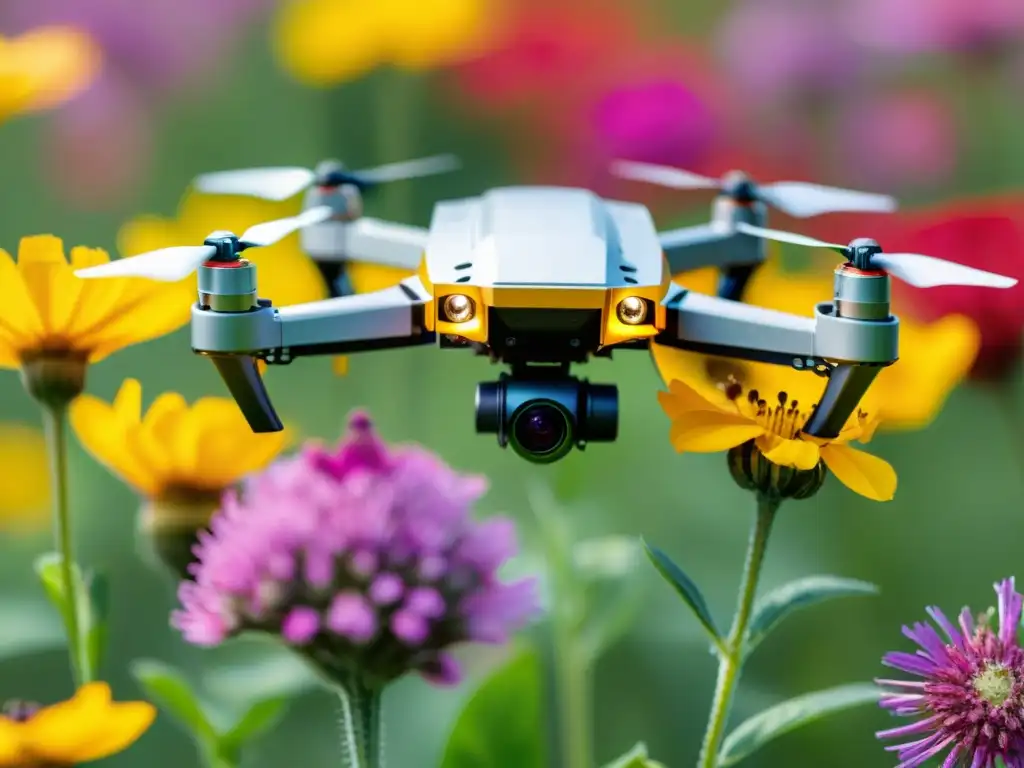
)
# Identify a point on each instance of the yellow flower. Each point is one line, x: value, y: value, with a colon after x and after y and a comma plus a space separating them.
x: 52, y: 323
x: 174, y: 450
x: 179, y: 458
x: 87, y: 727
x: 772, y: 420
x: 24, y: 474
x: 44, y: 68
x: 324, y: 42
x: 934, y: 357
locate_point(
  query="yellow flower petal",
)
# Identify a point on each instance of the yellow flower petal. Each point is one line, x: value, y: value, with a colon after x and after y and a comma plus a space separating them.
x: 60, y: 61
x: 323, y: 42
x: 861, y: 472
x: 105, y: 433
x: 339, y: 365
x: 681, y: 399
x: 226, y: 449
x: 122, y: 726
x: 86, y: 727
x: 51, y: 286
x: 366, y: 278
x: 11, y: 737
x: 711, y: 431
x: 796, y: 453
x: 24, y: 472
x: 59, y: 732
x: 15, y: 93
x: 128, y: 402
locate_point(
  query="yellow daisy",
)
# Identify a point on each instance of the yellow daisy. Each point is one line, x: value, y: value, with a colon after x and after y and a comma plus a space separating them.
x: 45, y: 67
x: 325, y: 42
x: 52, y: 324
x: 85, y: 728
x: 24, y: 475
x: 934, y: 357
x: 179, y: 458
x: 771, y: 422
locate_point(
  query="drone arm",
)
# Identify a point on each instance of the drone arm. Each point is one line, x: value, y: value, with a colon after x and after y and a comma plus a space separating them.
x: 383, y: 242
x: 393, y: 317
x: 850, y: 352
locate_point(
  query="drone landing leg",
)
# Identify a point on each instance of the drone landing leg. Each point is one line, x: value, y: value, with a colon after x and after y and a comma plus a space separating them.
x: 335, y: 275
x: 846, y: 386
x: 733, y: 283
x: 243, y: 380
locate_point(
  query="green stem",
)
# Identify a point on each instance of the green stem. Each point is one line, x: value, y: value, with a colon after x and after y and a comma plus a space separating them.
x: 731, y: 662
x: 362, y: 725
x: 55, y: 421
x: 396, y: 137
x: 572, y: 673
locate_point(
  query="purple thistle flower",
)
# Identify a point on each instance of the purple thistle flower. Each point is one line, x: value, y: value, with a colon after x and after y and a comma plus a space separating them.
x: 971, y: 697
x: 364, y: 559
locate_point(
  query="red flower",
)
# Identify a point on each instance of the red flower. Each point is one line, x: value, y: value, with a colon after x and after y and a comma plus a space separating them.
x: 985, y: 233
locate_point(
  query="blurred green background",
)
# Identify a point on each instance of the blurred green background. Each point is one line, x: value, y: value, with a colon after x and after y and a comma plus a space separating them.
x: 953, y: 529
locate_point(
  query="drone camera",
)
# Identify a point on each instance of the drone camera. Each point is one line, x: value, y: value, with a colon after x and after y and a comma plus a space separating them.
x: 543, y: 419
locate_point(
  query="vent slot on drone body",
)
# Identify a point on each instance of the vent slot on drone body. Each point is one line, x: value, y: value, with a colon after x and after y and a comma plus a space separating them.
x: 463, y: 266
x: 627, y: 278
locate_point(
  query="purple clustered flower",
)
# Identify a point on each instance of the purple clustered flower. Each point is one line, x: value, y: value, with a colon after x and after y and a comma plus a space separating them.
x: 365, y: 559
x: 971, y: 697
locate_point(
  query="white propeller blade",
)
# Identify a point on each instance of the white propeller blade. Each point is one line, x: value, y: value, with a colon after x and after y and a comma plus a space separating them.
x: 662, y: 175
x: 267, y: 183
x: 271, y: 232
x: 166, y: 264
x: 929, y: 272
x: 802, y: 199
x: 409, y: 169
x: 788, y: 237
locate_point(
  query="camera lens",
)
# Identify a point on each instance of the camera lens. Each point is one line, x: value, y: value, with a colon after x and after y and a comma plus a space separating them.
x: 540, y: 430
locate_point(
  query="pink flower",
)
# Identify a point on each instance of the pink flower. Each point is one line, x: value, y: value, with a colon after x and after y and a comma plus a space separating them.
x: 364, y: 559
x: 898, y: 139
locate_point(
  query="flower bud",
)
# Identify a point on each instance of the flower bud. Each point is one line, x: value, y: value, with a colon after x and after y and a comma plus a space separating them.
x: 168, y: 530
x: 753, y: 472
x: 54, y: 379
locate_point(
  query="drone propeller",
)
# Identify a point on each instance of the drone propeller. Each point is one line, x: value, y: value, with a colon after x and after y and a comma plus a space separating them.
x: 912, y: 268
x: 281, y: 183
x: 796, y: 198
x: 178, y: 262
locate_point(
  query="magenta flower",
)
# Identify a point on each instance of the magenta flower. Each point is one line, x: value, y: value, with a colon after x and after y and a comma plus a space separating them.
x: 365, y: 559
x: 657, y: 121
x: 971, y: 697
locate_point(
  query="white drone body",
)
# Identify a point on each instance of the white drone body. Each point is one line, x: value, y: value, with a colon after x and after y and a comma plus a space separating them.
x: 541, y: 279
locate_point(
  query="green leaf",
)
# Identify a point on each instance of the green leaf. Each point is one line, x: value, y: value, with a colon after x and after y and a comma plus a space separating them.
x: 687, y: 590
x: 259, y: 718
x: 501, y: 725
x: 801, y: 593
x: 93, y: 598
x: 750, y: 735
x: 635, y: 758
x: 168, y: 689
x: 254, y: 668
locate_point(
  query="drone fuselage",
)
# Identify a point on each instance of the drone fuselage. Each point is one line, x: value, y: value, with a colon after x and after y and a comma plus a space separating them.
x: 544, y: 270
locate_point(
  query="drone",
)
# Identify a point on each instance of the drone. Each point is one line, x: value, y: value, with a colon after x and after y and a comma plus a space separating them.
x: 542, y: 279
x: 330, y: 183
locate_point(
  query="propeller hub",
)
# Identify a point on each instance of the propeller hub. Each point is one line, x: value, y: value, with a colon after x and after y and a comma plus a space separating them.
x: 862, y: 251
x: 739, y: 186
x: 227, y: 246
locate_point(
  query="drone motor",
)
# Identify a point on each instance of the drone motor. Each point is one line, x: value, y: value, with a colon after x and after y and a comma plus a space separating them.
x: 543, y: 419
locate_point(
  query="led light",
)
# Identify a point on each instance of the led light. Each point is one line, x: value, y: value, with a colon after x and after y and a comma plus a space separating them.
x: 632, y: 310
x: 459, y: 308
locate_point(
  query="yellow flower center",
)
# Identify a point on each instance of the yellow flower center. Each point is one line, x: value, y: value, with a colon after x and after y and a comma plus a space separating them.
x: 783, y: 418
x: 995, y: 683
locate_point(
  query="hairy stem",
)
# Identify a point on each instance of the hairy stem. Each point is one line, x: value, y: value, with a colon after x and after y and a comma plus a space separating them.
x: 731, y: 661
x: 362, y: 738
x: 55, y: 421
